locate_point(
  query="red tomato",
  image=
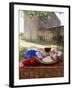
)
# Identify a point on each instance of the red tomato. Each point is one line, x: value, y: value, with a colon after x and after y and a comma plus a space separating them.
x: 34, y: 61
x: 24, y: 63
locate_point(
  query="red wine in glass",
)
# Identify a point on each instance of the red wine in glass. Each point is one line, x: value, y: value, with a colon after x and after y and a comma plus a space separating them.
x: 47, y: 49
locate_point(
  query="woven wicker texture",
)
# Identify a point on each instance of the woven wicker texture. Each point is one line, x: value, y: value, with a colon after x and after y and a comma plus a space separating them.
x: 42, y: 71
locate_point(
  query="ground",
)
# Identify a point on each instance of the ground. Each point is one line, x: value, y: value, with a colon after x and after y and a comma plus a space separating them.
x: 25, y: 44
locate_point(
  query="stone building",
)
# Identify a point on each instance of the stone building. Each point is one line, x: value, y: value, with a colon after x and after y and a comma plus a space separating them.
x: 41, y: 26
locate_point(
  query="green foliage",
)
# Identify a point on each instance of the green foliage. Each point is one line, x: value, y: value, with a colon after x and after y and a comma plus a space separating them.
x: 21, y: 53
x: 57, y: 39
x: 39, y: 13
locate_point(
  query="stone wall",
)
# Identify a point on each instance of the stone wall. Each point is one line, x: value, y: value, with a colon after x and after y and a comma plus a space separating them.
x: 47, y: 34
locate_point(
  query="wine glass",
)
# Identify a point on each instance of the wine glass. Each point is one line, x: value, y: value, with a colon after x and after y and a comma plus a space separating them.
x: 47, y: 50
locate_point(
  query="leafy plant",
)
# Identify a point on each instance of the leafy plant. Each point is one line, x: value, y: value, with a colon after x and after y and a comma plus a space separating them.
x: 57, y: 38
x: 40, y: 13
x: 21, y: 53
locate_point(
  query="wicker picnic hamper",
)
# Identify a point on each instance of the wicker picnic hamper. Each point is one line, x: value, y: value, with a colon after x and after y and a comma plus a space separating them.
x: 43, y: 71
